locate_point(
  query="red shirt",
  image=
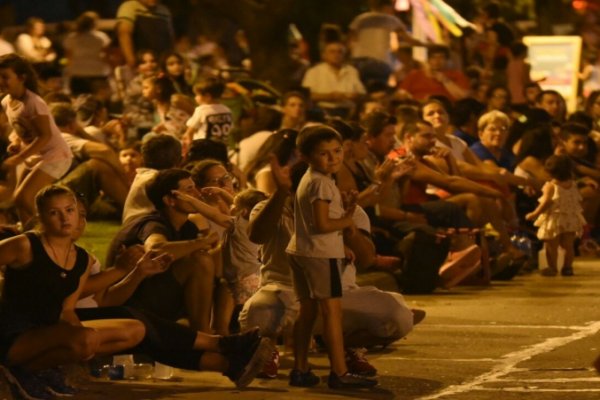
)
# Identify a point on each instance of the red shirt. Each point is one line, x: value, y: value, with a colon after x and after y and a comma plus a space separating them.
x: 421, y: 86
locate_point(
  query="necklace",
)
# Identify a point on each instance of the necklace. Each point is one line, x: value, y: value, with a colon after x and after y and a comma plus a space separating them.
x: 63, y: 274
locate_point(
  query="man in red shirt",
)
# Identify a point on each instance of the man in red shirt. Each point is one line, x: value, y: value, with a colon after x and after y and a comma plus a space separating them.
x: 435, y: 78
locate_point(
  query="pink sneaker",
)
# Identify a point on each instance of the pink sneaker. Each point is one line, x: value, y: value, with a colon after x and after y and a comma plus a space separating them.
x: 460, y: 265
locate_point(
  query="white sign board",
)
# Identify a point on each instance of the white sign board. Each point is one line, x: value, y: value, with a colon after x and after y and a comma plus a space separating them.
x: 555, y: 63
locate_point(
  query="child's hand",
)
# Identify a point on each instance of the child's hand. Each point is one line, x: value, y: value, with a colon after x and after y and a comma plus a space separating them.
x: 531, y: 216
x: 349, y: 199
x: 188, y: 198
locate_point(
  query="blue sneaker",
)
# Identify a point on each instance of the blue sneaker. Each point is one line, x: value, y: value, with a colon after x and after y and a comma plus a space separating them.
x: 303, y: 379
x: 28, y: 385
x: 54, y: 378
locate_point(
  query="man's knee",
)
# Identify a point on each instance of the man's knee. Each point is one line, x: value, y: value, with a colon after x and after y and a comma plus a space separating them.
x: 265, y: 311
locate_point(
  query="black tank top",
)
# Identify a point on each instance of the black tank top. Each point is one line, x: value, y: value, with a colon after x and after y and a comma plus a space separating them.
x: 39, y: 289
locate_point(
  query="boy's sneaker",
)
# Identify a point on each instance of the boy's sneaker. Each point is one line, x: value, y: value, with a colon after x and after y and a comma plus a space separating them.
x: 26, y: 384
x: 350, y: 381
x: 54, y: 378
x: 303, y: 379
x: 358, y: 364
x: 271, y: 367
x: 239, y: 342
x: 247, y: 363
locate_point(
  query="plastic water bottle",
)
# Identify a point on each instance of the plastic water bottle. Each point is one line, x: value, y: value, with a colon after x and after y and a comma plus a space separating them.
x: 162, y: 371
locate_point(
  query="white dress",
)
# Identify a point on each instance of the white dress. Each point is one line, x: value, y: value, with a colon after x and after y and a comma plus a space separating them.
x: 565, y: 214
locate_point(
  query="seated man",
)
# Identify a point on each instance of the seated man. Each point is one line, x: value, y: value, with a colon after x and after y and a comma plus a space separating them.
x: 436, y: 79
x: 334, y: 85
x: 181, y: 290
x: 370, y: 316
x: 96, y: 165
x: 478, y: 200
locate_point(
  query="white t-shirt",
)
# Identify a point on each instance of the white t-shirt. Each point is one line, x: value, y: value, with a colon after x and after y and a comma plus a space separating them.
x: 372, y: 31
x: 211, y: 121
x: 22, y: 112
x: 322, y: 78
x: 86, y: 53
x: 457, y: 147
x: 240, y: 255
x: 32, y: 50
x: 306, y: 241
x: 137, y: 202
x: 250, y: 146
x: 76, y: 145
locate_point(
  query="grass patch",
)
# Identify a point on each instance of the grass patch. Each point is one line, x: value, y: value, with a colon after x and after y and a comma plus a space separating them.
x: 97, y: 237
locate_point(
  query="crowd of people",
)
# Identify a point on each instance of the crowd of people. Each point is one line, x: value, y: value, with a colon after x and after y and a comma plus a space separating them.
x: 252, y: 225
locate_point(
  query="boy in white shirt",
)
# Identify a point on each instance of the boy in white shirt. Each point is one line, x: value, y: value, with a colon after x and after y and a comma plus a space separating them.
x: 317, y: 252
x: 211, y: 119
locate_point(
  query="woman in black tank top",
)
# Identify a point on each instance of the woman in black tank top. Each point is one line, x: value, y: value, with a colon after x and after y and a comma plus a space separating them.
x: 44, y: 277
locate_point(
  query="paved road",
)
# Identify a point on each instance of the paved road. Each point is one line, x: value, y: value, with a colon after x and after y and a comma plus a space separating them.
x: 532, y: 338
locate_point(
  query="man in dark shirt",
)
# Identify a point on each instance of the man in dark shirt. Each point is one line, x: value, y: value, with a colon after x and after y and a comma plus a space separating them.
x: 185, y: 288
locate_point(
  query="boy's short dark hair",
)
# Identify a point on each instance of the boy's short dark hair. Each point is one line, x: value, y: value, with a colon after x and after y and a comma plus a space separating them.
x: 202, y: 149
x: 348, y: 130
x: 412, y: 127
x: 518, y: 49
x: 438, y: 49
x: 163, y: 184
x: 573, y: 128
x: 133, y: 144
x: 559, y: 167
x: 161, y: 152
x: 63, y: 114
x: 248, y: 198
x: 210, y: 86
x: 311, y: 136
x: 375, y: 121
x: 540, y: 96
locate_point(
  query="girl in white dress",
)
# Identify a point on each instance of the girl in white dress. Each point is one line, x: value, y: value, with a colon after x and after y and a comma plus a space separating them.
x: 559, y: 215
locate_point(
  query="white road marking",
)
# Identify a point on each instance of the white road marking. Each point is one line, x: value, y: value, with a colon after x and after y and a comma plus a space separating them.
x: 439, y: 359
x: 509, y: 361
x: 551, y: 380
x: 536, y: 389
x: 475, y: 326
